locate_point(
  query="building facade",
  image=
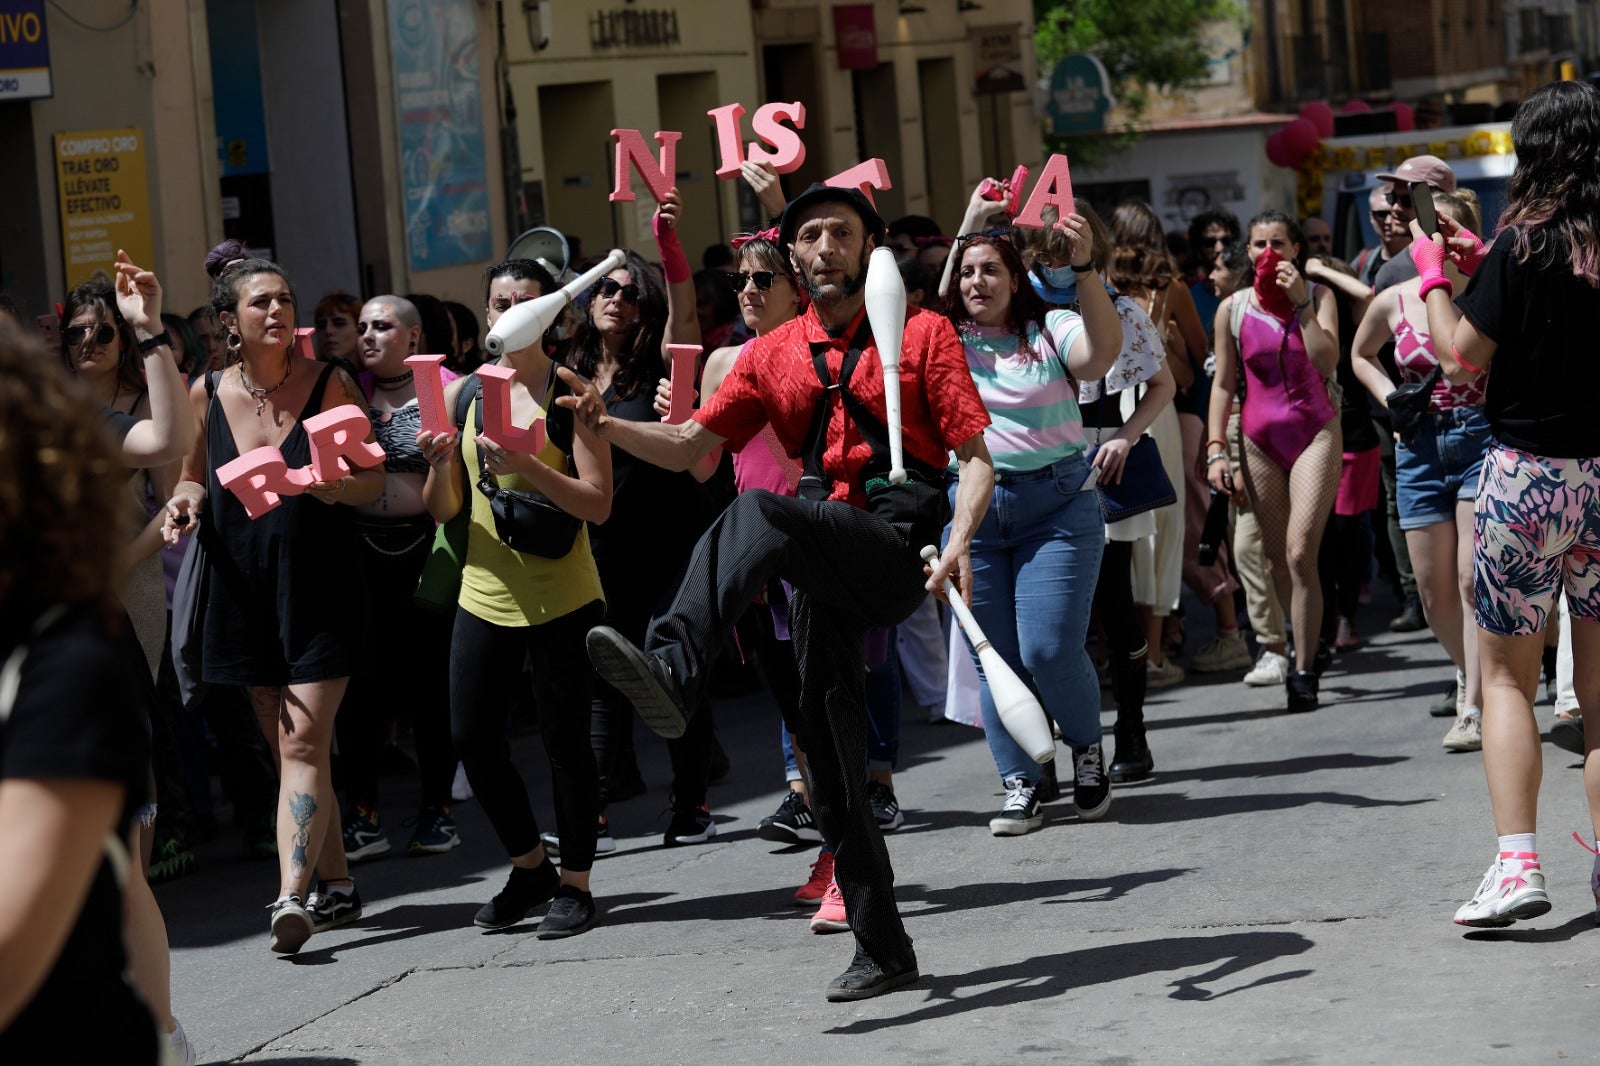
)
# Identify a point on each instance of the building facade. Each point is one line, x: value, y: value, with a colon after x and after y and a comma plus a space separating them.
x: 400, y: 145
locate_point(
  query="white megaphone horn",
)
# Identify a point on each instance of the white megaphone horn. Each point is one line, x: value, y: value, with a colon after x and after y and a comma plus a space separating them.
x: 523, y: 325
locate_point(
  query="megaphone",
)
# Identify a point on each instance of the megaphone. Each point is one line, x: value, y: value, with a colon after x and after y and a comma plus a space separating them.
x: 546, y: 246
x: 522, y: 325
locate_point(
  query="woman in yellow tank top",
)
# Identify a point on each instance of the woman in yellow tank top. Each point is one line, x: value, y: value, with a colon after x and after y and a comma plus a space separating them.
x: 514, y: 604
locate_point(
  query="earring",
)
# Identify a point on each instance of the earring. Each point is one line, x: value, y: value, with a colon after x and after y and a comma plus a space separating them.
x: 235, y: 342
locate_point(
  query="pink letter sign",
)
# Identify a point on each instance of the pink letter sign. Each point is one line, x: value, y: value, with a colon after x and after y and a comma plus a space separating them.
x: 339, y: 443
x: 497, y: 413
x: 259, y: 478
x: 789, y: 151
x: 872, y: 174
x: 632, y: 149
x: 429, y: 383
x: 685, y: 361
x: 1054, y: 188
x: 727, y: 119
x: 305, y: 343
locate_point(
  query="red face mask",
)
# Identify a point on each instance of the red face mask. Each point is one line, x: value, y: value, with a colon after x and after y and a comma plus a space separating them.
x: 1269, y: 295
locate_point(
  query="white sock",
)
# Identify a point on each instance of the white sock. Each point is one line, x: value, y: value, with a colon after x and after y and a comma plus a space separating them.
x: 1523, y: 842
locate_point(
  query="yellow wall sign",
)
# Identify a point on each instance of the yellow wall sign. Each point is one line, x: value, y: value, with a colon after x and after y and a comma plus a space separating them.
x: 104, y: 194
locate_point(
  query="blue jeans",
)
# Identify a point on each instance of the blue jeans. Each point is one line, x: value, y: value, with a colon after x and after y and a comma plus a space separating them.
x: 1035, y: 562
x: 883, y: 718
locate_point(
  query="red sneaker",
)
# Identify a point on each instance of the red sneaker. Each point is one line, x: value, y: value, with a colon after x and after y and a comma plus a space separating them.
x: 816, y: 887
x: 830, y: 917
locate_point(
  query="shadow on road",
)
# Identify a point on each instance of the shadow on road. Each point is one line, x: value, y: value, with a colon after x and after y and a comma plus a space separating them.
x: 1523, y: 935
x: 1049, y: 976
x: 1154, y: 808
x: 1305, y: 764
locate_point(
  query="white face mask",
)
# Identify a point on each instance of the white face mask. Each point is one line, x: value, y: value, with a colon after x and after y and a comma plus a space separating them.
x: 1061, y: 277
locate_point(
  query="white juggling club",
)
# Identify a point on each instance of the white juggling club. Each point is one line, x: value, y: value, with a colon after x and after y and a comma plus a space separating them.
x: 886, y: 313
x: 1019, y: 711
x: 523, y: 325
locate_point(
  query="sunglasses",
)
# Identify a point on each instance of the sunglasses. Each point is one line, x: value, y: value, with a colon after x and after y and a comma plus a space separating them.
x: 74, y: 335
x: 762, y: 278
x: 1401, y: 200
x: 1212, y: 242
x: 1381, y: 216
x: 611, y: 286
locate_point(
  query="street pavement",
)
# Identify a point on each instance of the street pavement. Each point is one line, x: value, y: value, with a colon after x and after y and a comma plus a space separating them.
x: 1280, y: 892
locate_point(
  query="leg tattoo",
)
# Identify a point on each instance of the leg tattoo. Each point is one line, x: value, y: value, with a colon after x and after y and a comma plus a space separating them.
x: 302, y: 808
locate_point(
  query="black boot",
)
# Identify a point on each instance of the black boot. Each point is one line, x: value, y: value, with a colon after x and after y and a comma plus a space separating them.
x: 1302, y: 688
x: 1410, y: 619
x: 1132, y: 761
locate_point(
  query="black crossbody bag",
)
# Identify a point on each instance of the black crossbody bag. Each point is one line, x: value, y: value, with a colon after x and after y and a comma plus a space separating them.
x: 524, y: 520
x: 1408, y: 405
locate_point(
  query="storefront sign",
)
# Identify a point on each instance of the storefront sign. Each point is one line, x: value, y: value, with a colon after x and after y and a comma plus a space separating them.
x: 1080, y: 95
x: 856, y: 35
x: 997, y: 57
x: 104, y: 196
x: 434, y: 48
x: 24, y: 51
x: 630, y: 29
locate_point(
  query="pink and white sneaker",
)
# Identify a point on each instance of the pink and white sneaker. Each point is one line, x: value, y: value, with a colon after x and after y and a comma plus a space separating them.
x: 1594, y: 875
x: 1512, y: 890
x: 830, y: 917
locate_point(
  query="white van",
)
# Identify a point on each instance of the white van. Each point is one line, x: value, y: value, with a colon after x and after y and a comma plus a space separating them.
x: 1480, y: 156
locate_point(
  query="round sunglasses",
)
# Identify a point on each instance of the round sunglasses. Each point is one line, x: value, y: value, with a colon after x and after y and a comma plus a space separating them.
x: 74, y: 335
x: 611, y: 286
x: 762, y: 278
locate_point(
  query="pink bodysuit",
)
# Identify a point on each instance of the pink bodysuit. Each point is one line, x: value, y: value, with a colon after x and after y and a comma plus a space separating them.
x: 1285, y: 401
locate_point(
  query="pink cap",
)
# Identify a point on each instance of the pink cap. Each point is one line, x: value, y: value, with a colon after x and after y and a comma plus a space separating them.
x: 1429, y: 168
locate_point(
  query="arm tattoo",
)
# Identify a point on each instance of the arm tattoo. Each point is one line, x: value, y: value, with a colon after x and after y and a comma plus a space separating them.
x: 302, y: 808
x: 352, y: 391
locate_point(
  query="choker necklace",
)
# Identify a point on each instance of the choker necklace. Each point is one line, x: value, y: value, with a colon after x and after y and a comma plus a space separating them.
x: 394, y: 382
x: 260, y: 395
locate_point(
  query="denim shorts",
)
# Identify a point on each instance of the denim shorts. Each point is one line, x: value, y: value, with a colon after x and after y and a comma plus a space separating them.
x: 1441, y: 466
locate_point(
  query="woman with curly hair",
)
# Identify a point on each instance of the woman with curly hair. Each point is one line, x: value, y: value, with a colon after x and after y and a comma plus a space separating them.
x: 74, y: 754
x: 1533, y: 295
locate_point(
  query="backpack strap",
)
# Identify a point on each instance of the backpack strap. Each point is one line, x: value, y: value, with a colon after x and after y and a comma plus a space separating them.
x: 1236, y: 310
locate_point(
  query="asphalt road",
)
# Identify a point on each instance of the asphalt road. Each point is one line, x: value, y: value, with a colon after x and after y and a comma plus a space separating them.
x: 1280, y: 892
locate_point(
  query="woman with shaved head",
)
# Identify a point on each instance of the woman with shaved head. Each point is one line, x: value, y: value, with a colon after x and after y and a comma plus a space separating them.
x: 406, y: 673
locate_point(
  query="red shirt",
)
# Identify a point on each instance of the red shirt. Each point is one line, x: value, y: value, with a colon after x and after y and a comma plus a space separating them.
x: 774, y: 380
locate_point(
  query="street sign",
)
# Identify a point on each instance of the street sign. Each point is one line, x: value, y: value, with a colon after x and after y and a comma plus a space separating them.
x: 997, y: 58
x: 1080, y: 95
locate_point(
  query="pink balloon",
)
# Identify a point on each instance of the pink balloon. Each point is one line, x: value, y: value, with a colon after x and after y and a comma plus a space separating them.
x: 1404, y: 118
x: 1299, y: 138
x: 1320, y: 116
x: 1277, y: 152
x: 1351, y: 107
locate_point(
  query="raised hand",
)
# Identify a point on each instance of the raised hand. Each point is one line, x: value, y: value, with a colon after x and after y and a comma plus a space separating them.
x: 138, y: 295
x: 764, y: 182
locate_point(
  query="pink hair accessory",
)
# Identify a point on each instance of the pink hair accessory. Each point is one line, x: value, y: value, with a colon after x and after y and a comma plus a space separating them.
x: 742, y: 239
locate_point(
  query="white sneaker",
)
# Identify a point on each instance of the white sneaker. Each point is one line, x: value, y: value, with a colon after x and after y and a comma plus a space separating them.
x: 1166, y: 675
x: 1512, y: 890
x: 1226, y: 651
x: 1020, y: 813
x: 460, y: 788
x: 1466, y: 734
x: 1270, y: 669
x: 180, y: 1050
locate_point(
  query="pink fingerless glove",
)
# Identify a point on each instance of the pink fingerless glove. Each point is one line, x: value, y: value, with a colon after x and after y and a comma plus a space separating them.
x: 1429, y: 258
x: 673, y: 262
x: 1470, y: 259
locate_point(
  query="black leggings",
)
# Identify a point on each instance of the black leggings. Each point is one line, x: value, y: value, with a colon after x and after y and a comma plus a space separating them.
x: 1343, y: 563
x: 485, y: 669
x: 405, y: 674
x: 1113, y: 601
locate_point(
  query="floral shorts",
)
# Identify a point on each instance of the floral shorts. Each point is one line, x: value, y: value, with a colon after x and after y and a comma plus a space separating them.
x: 1537, y: 533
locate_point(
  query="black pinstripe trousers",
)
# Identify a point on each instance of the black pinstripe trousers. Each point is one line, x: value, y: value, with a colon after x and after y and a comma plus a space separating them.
x: 852, y: 571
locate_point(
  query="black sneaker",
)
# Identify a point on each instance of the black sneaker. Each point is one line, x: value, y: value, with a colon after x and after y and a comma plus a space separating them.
x: 791, y: 823
x: 525, y: 889
x: 1020, y: 813
x: 330, y: 909
x: 1567, y: 734
x: 1092, y: 789
x: 867, y: 977
x: 1132, y: 761
x: 1445, y: 705
x: 572, y: 913
x: 1048, y: 790
x: 604, y: 842
x: 885, y: 808
x: 435, y: 833
x: 721, y: 766
x: 291, y: 925
x: 692, y: 826
x: 644, y: 680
